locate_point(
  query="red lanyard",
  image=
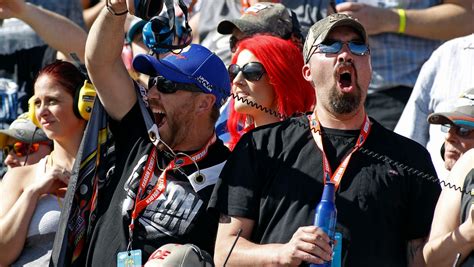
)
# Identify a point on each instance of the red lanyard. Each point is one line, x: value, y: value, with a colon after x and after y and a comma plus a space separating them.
x: 161, y: 184
x: 337, y: 175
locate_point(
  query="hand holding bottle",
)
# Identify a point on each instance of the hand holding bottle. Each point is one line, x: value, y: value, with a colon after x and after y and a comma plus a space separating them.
x: 308, y: 244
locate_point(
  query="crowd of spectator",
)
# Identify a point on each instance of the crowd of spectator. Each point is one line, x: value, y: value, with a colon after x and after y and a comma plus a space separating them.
x: 203, y: 132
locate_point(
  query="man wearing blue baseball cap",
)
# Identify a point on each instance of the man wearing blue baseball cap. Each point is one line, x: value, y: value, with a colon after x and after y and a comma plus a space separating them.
x: 165, y: 170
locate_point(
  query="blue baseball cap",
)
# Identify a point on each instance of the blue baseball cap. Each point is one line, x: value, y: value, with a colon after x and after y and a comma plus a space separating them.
x: 195, y: 64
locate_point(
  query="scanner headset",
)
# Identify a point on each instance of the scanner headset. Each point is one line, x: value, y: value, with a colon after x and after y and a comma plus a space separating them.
x: 83, y: 101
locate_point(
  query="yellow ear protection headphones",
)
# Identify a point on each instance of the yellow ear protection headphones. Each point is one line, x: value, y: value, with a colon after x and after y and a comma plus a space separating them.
x: 82, y: 104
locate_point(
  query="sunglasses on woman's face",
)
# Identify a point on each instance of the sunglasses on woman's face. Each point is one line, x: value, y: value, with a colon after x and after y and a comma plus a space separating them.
x: 21, y: 149
x: 252, y: 71
x: 169, y: 87
x: 459, y: 131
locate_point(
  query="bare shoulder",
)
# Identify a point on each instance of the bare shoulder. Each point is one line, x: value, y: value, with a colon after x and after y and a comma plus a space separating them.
x: 19, y: 177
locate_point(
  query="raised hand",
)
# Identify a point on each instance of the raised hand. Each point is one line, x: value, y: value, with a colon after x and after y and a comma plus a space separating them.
x: 12, y: 8
x: 54, y: 179
x: 374, y: 19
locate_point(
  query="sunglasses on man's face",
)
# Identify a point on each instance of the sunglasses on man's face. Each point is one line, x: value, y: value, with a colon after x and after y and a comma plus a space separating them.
x: 333, y: 47
x: 169, y: 87
x: 21, y: 149
x: 459, y: 131
x: 252, y: 71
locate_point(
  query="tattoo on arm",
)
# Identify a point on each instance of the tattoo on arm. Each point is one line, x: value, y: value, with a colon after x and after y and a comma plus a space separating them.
x: 223, y: 218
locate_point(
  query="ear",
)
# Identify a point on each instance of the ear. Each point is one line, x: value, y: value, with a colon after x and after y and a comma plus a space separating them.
x: 306, y: 70
x: 205, y: 103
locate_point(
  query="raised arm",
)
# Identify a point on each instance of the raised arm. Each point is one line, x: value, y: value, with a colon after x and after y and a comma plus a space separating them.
x: 448, y: 237
x: 104, y: 63
x: 306, y: 242
x: 56, y: 30
x: 452, y: 18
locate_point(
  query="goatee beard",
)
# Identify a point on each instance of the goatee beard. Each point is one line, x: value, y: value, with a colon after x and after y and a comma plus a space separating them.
x: 345, y: 103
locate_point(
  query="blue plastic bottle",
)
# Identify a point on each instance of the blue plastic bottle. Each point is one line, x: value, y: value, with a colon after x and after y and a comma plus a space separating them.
x: 326, y: 215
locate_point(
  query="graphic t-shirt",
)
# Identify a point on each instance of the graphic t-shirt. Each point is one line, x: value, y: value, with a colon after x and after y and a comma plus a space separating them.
x: 178, y: 216
x: 274, y: 177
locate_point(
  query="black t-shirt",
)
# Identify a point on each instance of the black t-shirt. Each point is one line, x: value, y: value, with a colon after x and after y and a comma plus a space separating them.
x: 466, y: 202
x: 274, y: 177
x: 178, y: 216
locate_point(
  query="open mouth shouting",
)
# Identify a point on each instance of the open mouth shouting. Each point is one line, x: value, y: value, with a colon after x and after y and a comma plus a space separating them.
x: 345, y: 78
x: 160, y: 118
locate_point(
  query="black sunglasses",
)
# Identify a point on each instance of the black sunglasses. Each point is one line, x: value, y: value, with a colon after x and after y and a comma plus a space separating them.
x: 333, y: 47
x: 459, y: 131
x: 252, y: 71
x: 169, y: 87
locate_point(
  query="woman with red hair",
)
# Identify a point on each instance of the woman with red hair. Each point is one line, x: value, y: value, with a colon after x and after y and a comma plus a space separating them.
x: 267, y: 84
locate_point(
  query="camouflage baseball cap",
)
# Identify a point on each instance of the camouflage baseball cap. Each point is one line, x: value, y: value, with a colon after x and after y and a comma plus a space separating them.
x: 320, y: 30
x: 264, y: 17
x: 461, y: 115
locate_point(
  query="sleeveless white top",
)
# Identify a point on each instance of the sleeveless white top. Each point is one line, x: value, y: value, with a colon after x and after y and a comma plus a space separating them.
x: 42, y: 228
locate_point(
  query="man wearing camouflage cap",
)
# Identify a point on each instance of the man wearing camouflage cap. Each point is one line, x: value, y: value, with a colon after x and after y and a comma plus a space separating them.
x: 263, y: 18
x: 458, y: 123
x: 274, y: 179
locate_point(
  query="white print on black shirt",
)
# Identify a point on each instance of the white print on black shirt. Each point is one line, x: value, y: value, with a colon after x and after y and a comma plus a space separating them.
x: 172, y: 213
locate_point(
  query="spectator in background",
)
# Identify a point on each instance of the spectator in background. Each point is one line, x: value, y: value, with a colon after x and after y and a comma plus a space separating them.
x: 458, y: 123
x: 23, y: 143
x: 32, y: 195
x: 28, y: 40
x: 446, y: 74
x: 403, y: 34
x: 267, y: 85
x: 263, y: 18
x: 451, y: 238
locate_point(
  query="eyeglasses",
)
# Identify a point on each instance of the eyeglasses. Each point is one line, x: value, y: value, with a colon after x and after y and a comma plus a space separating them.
x: 252, y: 71
x: 460, y: 131
x: 333, y: 47
x: 22, y: 149
x: 169, y: 87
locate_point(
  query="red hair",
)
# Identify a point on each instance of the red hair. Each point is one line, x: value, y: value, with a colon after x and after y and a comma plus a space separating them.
x: 65, y: 74
x: 283, y: 63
